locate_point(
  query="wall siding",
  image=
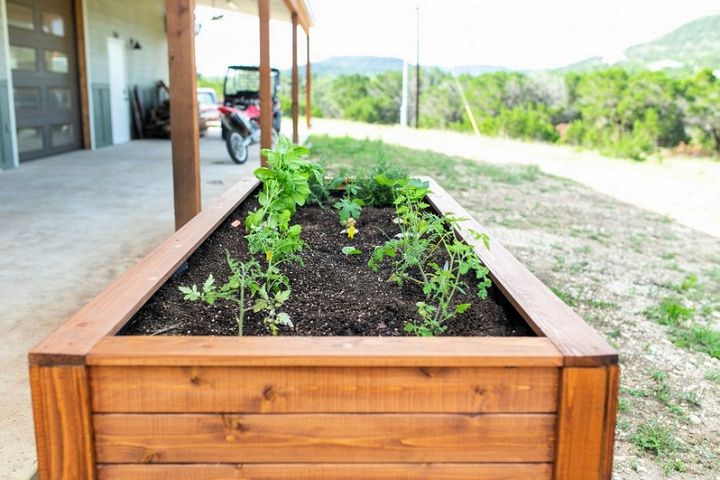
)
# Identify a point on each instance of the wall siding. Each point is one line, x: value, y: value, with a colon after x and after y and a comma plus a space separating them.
x: 7, y: 158
x: 6, y: 151
x: 143, y: 21
x: 102, y: 120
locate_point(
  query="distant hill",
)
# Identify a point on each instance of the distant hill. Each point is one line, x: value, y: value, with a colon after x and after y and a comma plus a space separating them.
x: 335, y: 66
x: 348, y: 65
x: 479, y: 69
x: 690, y: 47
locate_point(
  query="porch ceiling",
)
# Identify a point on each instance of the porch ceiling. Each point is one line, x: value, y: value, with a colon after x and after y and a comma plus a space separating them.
x: 279, y: 9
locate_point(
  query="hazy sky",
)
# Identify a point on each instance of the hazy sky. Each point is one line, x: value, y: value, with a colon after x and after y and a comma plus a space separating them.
x: 527, y: 34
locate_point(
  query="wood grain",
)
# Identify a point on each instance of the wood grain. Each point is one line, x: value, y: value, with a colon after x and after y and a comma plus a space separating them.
x: 63, y: 429
x: 613, y: 384
x: 294, y: 80
x: 308, y: 82
x: 265, y: 93
x: 83, y: 90
x: 327, y: 351
x: 335, y: 471
x: 581, y: 424
x: 184, y: 115
x: 107, y: 312
x: 542, y: 310
x: 301, y: 9
x: 323, y: 390
x: 328, y: 438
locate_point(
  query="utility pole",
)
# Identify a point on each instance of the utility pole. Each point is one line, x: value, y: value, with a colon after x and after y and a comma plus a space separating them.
x: 404, y: 102
x: 417, y: 66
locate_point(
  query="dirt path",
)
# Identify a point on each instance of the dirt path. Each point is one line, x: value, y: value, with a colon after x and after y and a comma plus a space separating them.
x: 685, y: 190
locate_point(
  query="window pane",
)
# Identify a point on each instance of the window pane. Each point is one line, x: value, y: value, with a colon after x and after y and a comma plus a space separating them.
x: 20, y: 16
x: 26, y: 98
x: 206, y: 98
x: 61, y: 135
x: 56, y: 62
x: 53, y: 24
x: 22, y: 58
x: 59, y: 98
x: 29, y: 139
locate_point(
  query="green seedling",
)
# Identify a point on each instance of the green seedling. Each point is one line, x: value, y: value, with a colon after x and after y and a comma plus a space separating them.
x: 240, y: 287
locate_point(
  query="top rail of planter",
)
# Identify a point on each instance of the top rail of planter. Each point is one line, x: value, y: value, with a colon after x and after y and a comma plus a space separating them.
x: 546, y: 314
x: 108, y: 312
x: 569, y: 340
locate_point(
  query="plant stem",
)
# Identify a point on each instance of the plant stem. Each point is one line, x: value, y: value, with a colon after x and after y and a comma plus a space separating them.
x: 241, y: 310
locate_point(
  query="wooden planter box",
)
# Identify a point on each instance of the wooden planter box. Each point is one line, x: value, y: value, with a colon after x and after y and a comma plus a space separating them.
x: 321, y: 408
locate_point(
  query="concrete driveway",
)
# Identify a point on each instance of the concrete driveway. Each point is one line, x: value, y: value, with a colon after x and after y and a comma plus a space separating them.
x: 69, y: 225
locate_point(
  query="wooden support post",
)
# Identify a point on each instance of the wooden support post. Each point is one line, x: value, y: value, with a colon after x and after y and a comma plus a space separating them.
x: 266, y: 103
x: 183, y: 109
x: 586, y: 423
x: 295, y: 134
x: 63, y: 422
x: 308, y: 86
x: 82, y: 74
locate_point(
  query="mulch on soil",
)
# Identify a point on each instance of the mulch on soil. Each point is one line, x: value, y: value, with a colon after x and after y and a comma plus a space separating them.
x: 332, y: 294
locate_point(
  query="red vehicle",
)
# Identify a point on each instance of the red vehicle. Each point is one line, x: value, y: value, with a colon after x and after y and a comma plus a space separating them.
x: 240, y: 115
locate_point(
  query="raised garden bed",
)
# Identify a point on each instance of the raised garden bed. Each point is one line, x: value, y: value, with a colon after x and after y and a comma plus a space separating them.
x: 536, y: 404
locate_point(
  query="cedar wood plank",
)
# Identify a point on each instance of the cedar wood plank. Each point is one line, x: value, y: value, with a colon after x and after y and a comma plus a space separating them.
x: 180, y: 31
x: 582, y: 425
x: 332, y: 471
x: 326, y: 351
x: 62, y: 416
x: 329, y: 438
x: 613, y: 383
x: 138, y: 389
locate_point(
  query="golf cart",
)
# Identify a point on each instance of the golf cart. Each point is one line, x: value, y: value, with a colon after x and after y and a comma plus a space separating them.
x: 240, y: 113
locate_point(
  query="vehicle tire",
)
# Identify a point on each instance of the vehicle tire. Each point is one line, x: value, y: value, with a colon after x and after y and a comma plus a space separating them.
x: 236, y: 147
x: 223, y: 132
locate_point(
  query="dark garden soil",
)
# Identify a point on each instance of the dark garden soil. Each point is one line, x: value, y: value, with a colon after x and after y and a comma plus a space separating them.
x: 332, y: 294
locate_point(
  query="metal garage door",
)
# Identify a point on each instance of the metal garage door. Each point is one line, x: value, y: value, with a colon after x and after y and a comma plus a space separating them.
x: 44, y: 73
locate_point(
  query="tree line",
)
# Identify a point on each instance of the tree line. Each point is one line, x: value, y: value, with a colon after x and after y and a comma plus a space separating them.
x: 619, y: 112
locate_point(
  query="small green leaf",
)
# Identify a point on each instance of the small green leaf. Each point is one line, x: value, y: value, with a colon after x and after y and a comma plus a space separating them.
x: 283, y: 319
x: 191, y: 294
x: 208, y: 285
x: 462, y: 307
x: 263, y: 173
x: 351, y: 251
x: 383, y: 180
x: 282, y: 296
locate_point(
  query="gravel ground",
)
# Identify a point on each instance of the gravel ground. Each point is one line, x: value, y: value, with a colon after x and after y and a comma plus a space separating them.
x: 611, y: 262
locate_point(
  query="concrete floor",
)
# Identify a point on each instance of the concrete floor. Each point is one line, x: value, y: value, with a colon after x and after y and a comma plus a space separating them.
x: 69, y: 225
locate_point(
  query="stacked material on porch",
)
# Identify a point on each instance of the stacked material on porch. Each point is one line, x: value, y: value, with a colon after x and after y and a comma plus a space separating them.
x: 157, y: 124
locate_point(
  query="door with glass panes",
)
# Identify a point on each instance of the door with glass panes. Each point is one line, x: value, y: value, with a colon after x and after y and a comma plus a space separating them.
x: 43, y: 61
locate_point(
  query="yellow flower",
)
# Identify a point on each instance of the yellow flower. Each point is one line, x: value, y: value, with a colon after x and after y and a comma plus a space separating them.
x: 350, y: 230
x: 268, y: 256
